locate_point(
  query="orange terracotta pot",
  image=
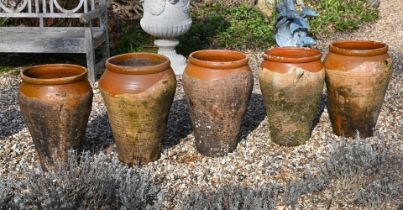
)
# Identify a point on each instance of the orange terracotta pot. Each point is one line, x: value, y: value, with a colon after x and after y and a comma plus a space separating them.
x: 357, y: 76
x: 218, y: 86
x: 138, y: 90
x: 291, y: 80
x: 56, y: 103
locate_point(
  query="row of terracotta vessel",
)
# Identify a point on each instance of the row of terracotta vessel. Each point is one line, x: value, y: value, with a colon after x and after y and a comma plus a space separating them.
x: 138, y: 90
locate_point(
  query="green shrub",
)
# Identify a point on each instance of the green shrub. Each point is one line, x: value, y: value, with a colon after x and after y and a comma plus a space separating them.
x: 217, y: 26
x: 133, y: 39
x: 340, y: 15
x: 4, y: 69
x: 2, y: 22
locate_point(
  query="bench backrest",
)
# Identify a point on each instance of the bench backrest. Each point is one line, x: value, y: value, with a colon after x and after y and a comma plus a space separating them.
x: 48, y: 9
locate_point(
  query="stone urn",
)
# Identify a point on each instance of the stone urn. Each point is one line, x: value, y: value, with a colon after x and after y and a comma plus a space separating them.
x: 167, y: 20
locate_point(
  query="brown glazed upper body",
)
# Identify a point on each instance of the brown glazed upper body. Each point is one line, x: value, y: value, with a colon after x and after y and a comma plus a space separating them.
x: 291, y: 80
x: 357, y: 76
x: 138, y: 90
x: 56, y: 102
x: 218, y: 86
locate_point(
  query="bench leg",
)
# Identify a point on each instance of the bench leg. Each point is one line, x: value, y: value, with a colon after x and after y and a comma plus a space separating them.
x: 90, y: 52
x: 91, y: 66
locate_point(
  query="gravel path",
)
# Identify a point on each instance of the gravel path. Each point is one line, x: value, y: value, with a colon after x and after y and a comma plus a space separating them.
x: 256, y: 160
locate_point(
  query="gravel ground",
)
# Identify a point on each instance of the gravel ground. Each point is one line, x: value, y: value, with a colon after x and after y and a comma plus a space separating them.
x: 256, y: 160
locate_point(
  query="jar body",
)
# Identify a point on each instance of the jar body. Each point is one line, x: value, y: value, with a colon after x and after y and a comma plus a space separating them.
x: 356, y: 86
x: 217, y: 99
x: 291, y: 93
x: 57, y: 117
x: 138, y: 106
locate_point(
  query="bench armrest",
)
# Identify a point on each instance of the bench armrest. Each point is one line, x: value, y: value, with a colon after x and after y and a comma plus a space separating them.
x: 96, y: 13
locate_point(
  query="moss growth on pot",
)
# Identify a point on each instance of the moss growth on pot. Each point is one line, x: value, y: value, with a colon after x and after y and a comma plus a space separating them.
x: 300, y: 115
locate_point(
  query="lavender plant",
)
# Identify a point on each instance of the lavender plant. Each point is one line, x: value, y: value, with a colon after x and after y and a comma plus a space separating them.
x: 292, y: 26
x: 233, y: 198
x: 369, y: 173
x: 90, y: 183
x: 5, y: 193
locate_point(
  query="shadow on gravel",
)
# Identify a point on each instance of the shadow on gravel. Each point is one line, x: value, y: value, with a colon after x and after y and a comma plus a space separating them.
x: 322, y: 105
x: 99, y: 134
x: 255, y: 114
x: 11, y: 122
x: 179, y: 124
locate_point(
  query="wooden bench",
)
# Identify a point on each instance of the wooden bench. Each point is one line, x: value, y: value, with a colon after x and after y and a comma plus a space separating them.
x: 92, y: 34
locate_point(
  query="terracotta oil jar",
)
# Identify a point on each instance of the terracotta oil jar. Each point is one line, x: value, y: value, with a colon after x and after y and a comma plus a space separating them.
x: 138, y: 90
x: 218, y: 86
x: 56, y: 103
x: 357, y: 76
x: 291, y: 80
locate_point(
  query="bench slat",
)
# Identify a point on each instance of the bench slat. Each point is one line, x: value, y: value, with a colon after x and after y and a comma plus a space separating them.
x: 55, y: 40
x: 41, y: 15
x: 40, y: 45
x: 46, y: 29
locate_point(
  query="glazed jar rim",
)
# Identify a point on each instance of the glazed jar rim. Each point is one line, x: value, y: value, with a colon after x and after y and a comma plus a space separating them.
x: 359, y: 48
x: 138, y: 70
x: 292, y: 55
x: 77, y: 77
x: 196, y: 58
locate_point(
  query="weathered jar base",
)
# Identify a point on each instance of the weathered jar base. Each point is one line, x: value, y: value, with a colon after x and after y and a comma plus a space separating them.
x: 354, y: 111
x: 139, y: 121
x: 218, y: 115
x: 291, y: 110
x: 52, y: 123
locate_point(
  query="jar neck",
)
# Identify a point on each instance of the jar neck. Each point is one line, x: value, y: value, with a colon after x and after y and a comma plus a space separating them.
x: 359, y: 48
x: 138, y: 63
